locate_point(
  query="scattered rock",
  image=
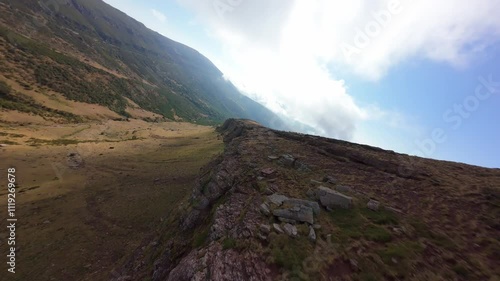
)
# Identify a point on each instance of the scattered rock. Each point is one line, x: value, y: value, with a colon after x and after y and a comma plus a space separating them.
x: 394, y: 210
x: 290, y: 230
x: 299, y: 213
x: 287, y: 160
x: 277, y: 199
x: 373, y: 205
x: 74, y: 160
x: 298, y: 202
x: 399, y: 230
x: 262, y: 237
x: 316, y: 226
x: 315, y: 182
x: 264, y: 209
x: 268, y: 191
x: 272, y: 157
x: 394, y: 260
x: 343, y: 188
x: 301, y: 166
x: 329, y: 179
x: 46, y: 222
x: 3, y: 145
x: 265, y: 228
x: 277, y: 228
x: 332, y: 199
x: 312, y: 234
x: 259, y: 178
x: 311, y: 194
x: 354, y: 264
x: 267, y: 172
x: 111, y: 147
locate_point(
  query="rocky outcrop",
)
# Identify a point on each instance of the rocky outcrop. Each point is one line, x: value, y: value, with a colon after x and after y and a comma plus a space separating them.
x: 215, y: 264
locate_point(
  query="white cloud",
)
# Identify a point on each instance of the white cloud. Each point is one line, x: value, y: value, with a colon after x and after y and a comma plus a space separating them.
x: 158, y: 15
x: 279, y: 51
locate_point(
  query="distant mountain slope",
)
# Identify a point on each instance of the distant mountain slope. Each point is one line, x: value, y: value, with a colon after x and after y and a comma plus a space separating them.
x: 91, y: 52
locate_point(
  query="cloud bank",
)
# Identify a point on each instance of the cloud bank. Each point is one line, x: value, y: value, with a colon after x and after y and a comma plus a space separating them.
x: 281, y: 52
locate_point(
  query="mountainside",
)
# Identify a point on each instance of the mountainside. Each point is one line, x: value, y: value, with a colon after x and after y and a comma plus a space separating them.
x: 286, y: 206
x: 88, y: 51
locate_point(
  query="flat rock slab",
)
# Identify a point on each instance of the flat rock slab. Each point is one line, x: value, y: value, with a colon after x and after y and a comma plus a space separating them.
x: 299, y: 213
x: 297, y: 202
x: 277, y: 199
x: 331, y: 199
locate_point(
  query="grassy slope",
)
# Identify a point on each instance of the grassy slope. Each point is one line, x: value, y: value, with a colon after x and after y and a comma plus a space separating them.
x: 162, y: 76
x: 77, y: 224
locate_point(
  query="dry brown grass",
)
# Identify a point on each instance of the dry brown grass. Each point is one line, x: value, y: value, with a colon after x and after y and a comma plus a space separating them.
x: 77, y: 224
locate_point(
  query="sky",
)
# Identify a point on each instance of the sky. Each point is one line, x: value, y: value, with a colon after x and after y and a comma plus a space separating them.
x: 417, y: 77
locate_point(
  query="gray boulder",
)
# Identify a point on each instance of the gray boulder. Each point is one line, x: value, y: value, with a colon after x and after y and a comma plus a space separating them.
x: 343, y: 188
x: 329, y: 179
x: 298, y: 202
x: 265, y: 228
x: 287, y: 160
x: 301, y: 166
x: 268, y: 172
x: 312, y: 234
x: 277, y: 199
x: 299, y: 213
x: 264, y: 209
x: 373, y: 205
x: 277, y: 228
x: 332, y: 199
x: 290, y: 230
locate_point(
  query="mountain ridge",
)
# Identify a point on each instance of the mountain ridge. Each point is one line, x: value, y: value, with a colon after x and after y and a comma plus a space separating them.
x: 119, y: 58
x: 396, y: 226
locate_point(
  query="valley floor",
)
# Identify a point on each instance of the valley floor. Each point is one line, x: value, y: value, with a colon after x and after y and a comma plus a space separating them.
x: 89, y: 194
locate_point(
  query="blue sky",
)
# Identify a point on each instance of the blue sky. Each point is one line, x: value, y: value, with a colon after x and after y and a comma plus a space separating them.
x: 395, y: 74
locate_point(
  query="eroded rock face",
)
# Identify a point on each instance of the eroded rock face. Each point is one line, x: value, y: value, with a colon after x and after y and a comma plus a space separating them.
x: 214, y: 263
x: 237, y: 218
